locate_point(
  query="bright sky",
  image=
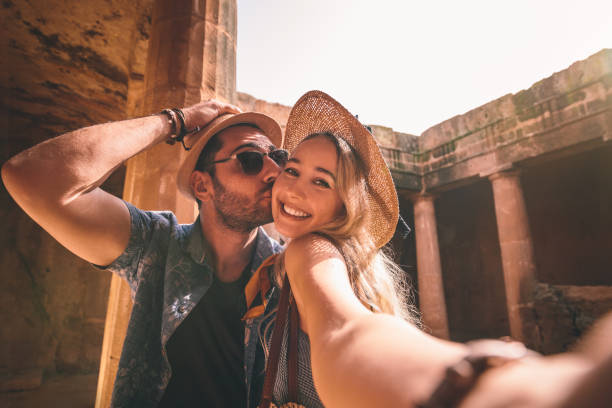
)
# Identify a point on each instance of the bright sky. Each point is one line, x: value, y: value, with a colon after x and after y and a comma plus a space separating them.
x: 411, y: 64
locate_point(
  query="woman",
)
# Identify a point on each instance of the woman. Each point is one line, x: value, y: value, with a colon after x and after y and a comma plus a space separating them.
x: 358, y: 344
x: 336, y: 202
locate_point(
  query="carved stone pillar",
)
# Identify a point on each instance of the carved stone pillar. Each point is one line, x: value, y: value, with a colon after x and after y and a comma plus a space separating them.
x: 516, y: 252
x: 429, y: 268
x: 191, y: 57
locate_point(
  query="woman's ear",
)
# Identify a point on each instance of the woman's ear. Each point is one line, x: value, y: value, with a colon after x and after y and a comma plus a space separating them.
x: 201, y: 184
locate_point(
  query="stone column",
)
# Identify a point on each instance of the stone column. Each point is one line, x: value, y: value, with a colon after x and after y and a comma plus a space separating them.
x: 516, y: 252
x: 429, y: 268
x: 191, y: 57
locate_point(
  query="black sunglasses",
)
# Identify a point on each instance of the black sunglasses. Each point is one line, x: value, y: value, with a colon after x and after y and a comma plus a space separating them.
x: 252, y: 161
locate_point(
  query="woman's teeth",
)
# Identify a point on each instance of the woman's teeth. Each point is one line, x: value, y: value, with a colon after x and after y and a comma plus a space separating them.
x: 294, y: 211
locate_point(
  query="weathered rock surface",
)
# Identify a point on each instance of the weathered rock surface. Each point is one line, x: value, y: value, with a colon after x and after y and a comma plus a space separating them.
x: 66, y: 64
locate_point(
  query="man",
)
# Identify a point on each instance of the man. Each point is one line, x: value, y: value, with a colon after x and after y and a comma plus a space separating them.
x: 186, y: 342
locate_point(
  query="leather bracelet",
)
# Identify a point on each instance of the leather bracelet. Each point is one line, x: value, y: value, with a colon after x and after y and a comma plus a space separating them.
x: 181, y: 117
x: 461, y: 377
x: 184, y: 131
x: 172, y: 122
x: 176, y: 118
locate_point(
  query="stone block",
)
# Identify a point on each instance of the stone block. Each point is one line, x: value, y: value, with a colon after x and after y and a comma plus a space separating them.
x: 275, y: 110
x: 565, y: 313
x: 181, y: 8
x: 384, y: 136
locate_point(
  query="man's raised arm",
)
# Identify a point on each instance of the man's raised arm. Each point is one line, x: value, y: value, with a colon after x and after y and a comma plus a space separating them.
x: 57, y: 182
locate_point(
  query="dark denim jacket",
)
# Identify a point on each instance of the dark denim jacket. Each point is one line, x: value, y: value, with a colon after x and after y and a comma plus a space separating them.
x: 165, y: 266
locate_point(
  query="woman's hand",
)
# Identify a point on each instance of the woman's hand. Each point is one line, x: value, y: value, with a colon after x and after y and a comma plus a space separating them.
x: 578, y: 379
x: 532, y: 382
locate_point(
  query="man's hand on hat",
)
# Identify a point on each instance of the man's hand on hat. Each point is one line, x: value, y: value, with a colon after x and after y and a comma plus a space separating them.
x: 201, y: 114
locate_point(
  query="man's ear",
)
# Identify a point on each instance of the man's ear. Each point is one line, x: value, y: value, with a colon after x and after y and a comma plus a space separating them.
x: 201, y: 185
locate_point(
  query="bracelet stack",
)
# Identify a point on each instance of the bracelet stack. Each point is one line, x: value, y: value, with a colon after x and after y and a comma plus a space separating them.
x: 176, y: 120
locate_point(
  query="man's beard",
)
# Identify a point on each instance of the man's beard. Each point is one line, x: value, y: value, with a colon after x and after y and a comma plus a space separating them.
x: 237, y: 211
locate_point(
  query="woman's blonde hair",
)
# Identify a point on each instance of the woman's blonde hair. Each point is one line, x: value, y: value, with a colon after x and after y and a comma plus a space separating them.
x: 378, y: 282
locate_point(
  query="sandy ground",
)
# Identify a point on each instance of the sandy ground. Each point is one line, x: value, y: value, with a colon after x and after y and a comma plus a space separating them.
x: 60, y: 391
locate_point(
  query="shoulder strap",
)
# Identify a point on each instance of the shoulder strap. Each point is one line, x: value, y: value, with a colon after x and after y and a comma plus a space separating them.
x: 294, y: 324
x: 277, y: 337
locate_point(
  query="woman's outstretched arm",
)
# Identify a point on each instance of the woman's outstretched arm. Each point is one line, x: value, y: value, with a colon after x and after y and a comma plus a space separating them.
x: 359, y: 358
x: 365, y: 359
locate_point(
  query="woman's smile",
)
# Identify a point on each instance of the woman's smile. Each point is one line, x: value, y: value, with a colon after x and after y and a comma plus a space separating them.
x: 293, y: 212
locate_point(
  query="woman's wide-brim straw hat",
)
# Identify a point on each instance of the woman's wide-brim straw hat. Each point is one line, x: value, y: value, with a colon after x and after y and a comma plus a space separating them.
x: 317, y: 112
x: 268, y: 126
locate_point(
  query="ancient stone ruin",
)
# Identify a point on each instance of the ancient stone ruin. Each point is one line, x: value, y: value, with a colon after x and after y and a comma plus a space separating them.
x: 510, y: 203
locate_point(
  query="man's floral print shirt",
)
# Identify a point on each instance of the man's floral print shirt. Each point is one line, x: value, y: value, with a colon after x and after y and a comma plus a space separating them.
x: 166, y: 269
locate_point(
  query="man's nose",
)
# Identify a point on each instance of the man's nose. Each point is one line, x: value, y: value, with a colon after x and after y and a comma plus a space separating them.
x: 270, y: 170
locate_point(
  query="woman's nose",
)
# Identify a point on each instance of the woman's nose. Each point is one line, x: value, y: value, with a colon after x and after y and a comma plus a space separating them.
x: 296, y: 190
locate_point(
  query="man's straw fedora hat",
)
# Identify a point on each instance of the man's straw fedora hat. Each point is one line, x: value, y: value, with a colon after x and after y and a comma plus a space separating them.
x: 268, y: 126
x: 317, y: 112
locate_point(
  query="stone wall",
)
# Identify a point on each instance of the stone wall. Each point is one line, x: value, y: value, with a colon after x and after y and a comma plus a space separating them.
x: 68, y: 64
x: 570, y: 108
x: 565, y: 313
x: 400, y: 150
x: 277, y: 111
